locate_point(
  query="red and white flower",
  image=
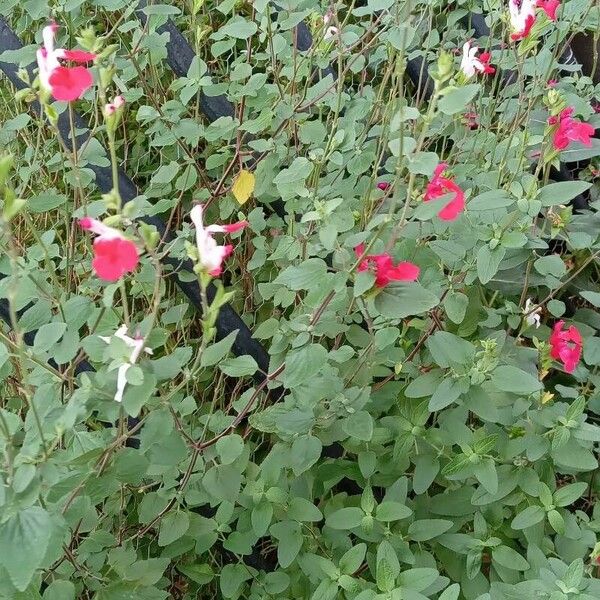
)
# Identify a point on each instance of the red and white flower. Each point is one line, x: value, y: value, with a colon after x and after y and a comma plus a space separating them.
x: 385, y: 270
x: 522, y: 17
x: 137, y: 347
x: 440, y: 186
x: 471, y: 63
x: 64, y: 83
x: 570, y: 130
x: 211, y: 255
x: 566, y: 345
x: 114, y: 254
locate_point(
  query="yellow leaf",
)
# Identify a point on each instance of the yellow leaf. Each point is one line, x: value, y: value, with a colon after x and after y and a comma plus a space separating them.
x: 243, y: 186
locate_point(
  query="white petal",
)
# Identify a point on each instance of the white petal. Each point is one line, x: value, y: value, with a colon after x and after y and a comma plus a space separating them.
x: 121, y: 381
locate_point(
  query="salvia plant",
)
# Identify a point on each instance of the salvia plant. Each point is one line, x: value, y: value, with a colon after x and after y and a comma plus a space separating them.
x: 299, y: 300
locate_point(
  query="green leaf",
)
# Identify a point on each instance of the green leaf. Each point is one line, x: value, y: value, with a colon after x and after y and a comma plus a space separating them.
x: 199, y: 573
x: 528, y: 517
x: 24, y: 540
x: 261, y: 517
x: 485, y: 472
x: 562, y: 192
x: 217, y: 352
x: 60, y: 590
x: 172, y: 527
x: 426, y: 469
x: 556, y: 521
x: 456, y: 99
x: 592, y: 297
x: 567, y: 494
x: 451, y: 593
x: 240, y: 366
x: 46, y: 201
x: 231, y: 579
x: 455, y: 305
x: 492, y: 200
x: 165, y: 174
x: 550, y: 265
x: 303, y: 364
x: 400, y: 301
x: 301, y: 509
x: 427, y: 529
x: 353, y: 559
x: 290, y: 538
x: 359, y: 425
x: 392, y: 511
x: 449, y: 350
x: 509, y: 558
x: 488, y: 262
x: 306, y: 451
x: 512, y: 379
x: 48, y: 335
x: 447, y: 392
x: 388, y: 567
x: 423, y: 163
x: 418, y: 579
x: 304, y: 276
x: 229, y: 448
x: 345, y: 518
x: 238, y: 28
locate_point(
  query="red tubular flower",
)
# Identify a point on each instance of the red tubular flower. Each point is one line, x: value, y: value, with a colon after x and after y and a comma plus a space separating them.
x: 549, y: 7
x: 114, y: 254
x: 384, y: 268
x: 570, y: 130
x: 566, y: 345
x: 439, y: 186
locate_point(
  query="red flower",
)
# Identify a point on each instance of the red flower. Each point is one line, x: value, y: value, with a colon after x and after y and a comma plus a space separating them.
x: 549, y: 7
x: 566, y: 345
x: 383, y: 185
x: 65, y: 83
x: 439, y: 186
x: 114, y: 254
x: 384, y: 268
x: 570, y: 130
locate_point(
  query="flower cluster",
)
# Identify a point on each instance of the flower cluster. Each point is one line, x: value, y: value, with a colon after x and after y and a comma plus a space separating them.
x: 64, y: 83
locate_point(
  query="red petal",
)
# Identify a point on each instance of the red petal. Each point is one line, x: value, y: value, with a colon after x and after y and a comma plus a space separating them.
x: 78, y: 55
x: 233, y: 227
x: 70, y: 83
x: 114, y: 258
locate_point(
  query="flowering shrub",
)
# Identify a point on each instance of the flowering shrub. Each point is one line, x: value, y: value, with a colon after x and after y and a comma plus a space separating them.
x: 411, y: 234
